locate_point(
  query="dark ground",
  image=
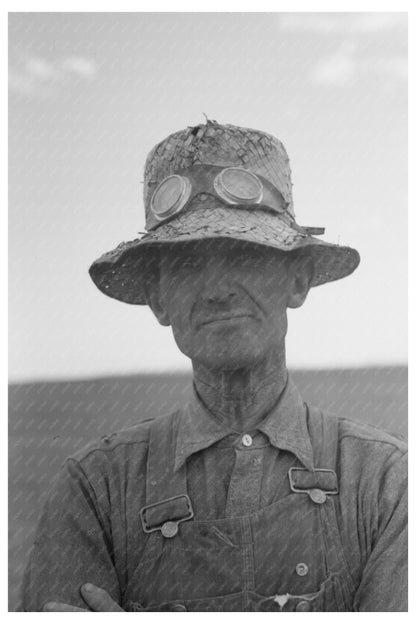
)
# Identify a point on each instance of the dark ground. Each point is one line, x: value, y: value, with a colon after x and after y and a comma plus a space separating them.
x: 48, y: 421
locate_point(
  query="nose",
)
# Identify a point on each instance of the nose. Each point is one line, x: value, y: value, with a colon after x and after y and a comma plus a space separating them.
x: 218, y: 285
x: 220, y: 296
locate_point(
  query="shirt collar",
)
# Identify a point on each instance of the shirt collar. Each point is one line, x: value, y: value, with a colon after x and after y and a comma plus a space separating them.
x: 285, y: 426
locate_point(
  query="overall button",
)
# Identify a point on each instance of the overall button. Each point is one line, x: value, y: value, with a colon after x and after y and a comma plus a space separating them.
x: 247, y: 440
x: 169, y: 529
x: 302, y: 569
x: 303, y: 605
x: 178, y: 607
x: 317, y: 496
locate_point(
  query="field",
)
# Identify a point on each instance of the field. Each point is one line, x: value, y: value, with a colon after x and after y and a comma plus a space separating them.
x: 48, y: 421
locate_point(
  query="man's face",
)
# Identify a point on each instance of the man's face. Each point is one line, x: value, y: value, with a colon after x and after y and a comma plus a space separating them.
x: 226, y: 301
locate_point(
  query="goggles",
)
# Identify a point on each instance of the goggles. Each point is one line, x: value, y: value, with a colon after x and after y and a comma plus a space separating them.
x: 233, y: 185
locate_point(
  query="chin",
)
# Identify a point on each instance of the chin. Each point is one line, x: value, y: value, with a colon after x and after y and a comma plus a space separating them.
x: 228, y: 359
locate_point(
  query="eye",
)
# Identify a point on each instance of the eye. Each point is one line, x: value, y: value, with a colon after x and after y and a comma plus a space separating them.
x: 189, y: 262
x: 246, y: 260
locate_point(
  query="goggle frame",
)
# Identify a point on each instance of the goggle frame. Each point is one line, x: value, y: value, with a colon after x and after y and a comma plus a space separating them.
x: 207, y: 179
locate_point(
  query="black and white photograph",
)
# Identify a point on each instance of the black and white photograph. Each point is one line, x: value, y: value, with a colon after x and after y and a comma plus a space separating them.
x: 207, y: 287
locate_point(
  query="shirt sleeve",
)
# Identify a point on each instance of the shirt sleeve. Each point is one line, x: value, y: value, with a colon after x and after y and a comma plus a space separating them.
x: 72, y: 546
x: 383, y: 585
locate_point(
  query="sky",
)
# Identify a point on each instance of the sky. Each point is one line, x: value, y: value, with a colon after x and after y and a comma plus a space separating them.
x: 90, y: 94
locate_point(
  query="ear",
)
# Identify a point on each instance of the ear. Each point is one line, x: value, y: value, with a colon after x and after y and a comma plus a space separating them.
x: 301, y: 273
x: 155, y: 302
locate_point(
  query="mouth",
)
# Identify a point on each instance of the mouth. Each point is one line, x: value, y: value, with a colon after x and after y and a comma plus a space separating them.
x: 225, y: 319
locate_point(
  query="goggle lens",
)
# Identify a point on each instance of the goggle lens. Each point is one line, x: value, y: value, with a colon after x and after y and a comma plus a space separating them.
x: 170, y: 196
x: 238, y: 186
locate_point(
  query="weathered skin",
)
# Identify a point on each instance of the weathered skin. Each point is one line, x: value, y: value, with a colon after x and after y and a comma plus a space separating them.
x: 239, y: 364
x: 95, y: 598
x: 227, y: 305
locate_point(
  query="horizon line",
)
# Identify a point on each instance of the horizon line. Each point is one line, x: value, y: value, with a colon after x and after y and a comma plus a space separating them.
x: 187, y: 373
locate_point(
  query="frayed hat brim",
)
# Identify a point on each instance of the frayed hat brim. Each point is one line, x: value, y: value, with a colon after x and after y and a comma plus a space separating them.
x: 119, y: 273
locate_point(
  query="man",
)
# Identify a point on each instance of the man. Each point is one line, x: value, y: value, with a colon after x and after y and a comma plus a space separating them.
x: 246, y: 499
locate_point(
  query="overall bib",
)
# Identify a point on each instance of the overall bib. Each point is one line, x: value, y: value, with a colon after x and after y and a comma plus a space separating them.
x: 287, y: 556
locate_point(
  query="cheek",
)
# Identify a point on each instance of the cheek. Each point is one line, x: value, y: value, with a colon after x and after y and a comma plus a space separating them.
x: 175, y: 289
x: 179, y: 301
x: 269, y: 294
x: 272, y: 300
x: 181, y: 293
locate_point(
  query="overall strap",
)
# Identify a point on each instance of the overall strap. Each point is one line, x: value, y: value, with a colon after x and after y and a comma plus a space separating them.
x: 167, y: 501
x: 323, y: 431
x: 323, y: 480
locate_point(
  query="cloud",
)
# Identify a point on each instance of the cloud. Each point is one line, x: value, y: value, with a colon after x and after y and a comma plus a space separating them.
x: 342, y: 23
x: 345, y: 67
x: 20, y: 83
x: 337, y: 70
x: 40, y: 69
x: 351, y: 60
x: 85, y: 68
x: 39, y: 76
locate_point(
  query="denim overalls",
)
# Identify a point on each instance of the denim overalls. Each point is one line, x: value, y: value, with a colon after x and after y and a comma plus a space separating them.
x: 287, y: 556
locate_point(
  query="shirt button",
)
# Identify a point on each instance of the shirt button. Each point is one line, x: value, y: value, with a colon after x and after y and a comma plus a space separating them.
x: 302, y: 569
x: 169, y: 529
x: 303, y: 605
x: 317, y: 496
x: 247, y: 440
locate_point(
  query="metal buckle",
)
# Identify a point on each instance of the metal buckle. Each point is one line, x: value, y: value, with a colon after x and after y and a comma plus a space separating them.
x: 317, y: 495
x: 168, y: 528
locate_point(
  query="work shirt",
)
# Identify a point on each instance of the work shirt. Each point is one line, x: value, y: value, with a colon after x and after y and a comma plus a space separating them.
x: 90, y: 530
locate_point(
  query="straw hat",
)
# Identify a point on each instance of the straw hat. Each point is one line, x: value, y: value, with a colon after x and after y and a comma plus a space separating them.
x: 217, y: 181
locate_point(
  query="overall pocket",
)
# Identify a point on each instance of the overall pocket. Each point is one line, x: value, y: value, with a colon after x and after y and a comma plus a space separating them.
x: 201, y: 562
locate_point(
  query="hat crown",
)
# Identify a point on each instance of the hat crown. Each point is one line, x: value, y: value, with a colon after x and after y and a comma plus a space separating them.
x: 194, y: 161
x: 221, y: 145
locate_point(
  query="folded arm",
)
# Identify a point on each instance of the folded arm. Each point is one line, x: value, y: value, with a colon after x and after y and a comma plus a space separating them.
x: 72, y: 546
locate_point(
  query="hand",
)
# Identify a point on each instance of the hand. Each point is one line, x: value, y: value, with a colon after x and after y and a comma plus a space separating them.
x: 95, y: 597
